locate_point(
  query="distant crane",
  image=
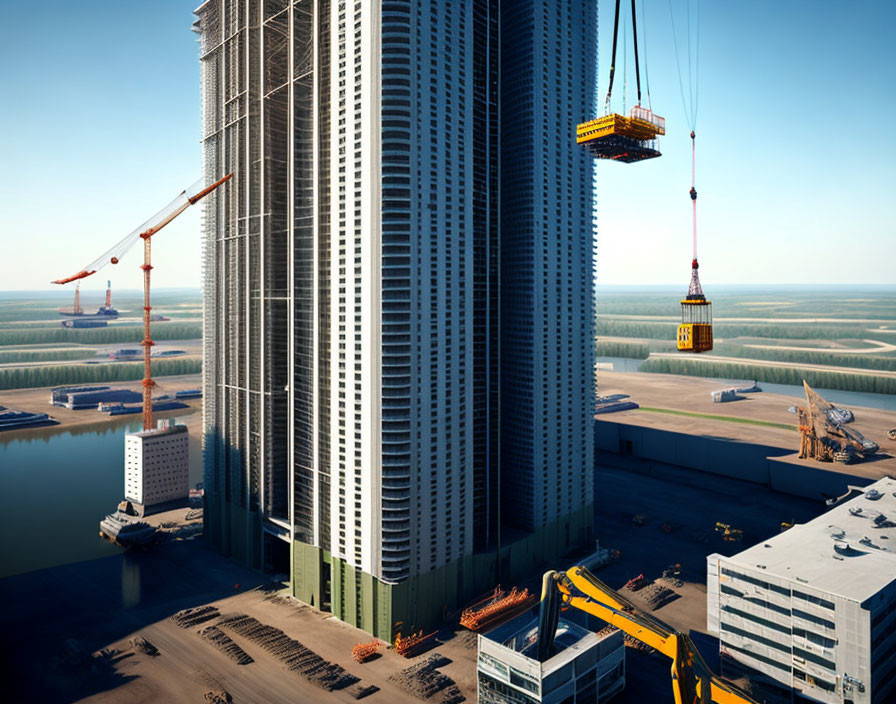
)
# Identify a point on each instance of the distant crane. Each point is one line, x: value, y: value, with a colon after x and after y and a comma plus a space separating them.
x: 184, y: 200
x: 76, y: 309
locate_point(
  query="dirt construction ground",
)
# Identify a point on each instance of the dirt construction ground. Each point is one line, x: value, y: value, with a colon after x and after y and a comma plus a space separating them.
x: 64, y: 614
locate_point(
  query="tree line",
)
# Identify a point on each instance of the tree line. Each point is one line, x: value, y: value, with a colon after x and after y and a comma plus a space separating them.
x: 100, y: 336
x: 821, y: 356
x: 19, y: 356
x: 844, y: 381
x: 64, y: 375
x: 665, y: 330
x: 629, y: 350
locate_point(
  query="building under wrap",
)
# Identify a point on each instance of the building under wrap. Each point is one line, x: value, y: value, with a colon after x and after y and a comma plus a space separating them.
x: 354, y: 298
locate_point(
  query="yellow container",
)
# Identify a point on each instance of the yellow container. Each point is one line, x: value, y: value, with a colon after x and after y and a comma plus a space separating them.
x: 695, y: 337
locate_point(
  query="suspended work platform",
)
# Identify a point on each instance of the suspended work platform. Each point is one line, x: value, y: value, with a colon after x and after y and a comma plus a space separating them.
x: 625, y: 139
x: 695, y: 331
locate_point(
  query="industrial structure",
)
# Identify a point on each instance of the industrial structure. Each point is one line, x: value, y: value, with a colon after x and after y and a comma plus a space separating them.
x: 398, y: 394
x: 813, y: 609
x: 577, y: 588
x: 585, y: 668
x: 106, y: 309
x: 824, y: 434
x: 157, y: 468
x: 144, y: 232
x: 76, y: 308
x: 103, y: 313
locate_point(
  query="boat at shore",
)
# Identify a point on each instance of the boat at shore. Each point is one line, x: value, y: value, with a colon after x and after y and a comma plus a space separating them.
x: 125, y: 530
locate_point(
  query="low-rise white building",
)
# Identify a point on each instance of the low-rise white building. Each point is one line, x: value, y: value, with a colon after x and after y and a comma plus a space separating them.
x: 586, y: 668
x: 157, y: 468
x: 813, y: 609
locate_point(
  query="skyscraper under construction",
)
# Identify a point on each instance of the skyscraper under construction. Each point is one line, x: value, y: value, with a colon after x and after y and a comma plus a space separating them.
x: 398, y: 295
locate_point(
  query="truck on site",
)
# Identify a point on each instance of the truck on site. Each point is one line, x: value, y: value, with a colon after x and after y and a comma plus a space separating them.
x: 692, y: 680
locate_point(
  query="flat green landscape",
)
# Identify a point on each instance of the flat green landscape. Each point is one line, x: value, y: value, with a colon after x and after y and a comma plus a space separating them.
x: 36, y: 351
x: 837, y: 337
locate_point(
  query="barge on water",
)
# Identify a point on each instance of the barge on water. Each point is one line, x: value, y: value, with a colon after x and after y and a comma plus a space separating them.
x: 126, y: 530
x: 10, y: 420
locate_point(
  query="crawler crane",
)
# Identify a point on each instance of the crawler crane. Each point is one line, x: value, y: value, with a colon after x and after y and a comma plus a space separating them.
x: 692, y: 680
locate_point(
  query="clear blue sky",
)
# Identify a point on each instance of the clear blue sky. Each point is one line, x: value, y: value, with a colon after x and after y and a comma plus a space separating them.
x: 100, y: 126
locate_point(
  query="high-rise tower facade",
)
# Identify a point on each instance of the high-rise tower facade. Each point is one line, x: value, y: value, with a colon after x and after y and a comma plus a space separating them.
x: 548, y: 83
x: 354, y: 299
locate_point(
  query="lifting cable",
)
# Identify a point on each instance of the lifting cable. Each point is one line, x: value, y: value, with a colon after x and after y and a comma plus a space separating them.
x: 613, y: 56
x: 635, y: 39
x: 690, y: 107
x: 646, y: 62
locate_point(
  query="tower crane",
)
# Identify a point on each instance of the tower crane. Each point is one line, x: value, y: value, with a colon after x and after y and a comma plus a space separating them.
x: 184, y: 200
x: 692, y: 680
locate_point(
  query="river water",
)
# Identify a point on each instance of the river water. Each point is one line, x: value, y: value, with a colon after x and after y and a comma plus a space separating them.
x: 56, y: 486
x: 884, y: 402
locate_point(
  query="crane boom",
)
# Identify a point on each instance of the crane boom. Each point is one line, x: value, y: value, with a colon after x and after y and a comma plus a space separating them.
x: 181, y: 202
x: 692, y: 680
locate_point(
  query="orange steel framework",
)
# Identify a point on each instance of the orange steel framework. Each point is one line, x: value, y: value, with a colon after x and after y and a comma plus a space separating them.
x: 625, y: 139
x: 145, y: 232
x: 362, y: 652
x: 411, y: 645
x: 501, y: 606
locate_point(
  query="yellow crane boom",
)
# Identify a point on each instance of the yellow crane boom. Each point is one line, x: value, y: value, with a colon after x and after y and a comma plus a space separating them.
x: 692, y: 680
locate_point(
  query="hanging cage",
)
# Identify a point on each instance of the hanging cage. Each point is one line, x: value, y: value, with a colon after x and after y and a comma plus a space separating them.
x: 695, y: 331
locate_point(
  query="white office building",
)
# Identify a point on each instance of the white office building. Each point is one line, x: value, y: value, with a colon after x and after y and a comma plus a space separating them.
x: 586, y: 667
x: 813, y: 610
x: 157, y: 468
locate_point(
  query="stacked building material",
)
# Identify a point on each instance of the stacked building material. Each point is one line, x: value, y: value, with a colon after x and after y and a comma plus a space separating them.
x: 193, y: 617
x: 413, y: 644
x: 424, y: 681
x: 225, y: 644
x: 499, y: 609
x: 362, y: 652
x: 291, y: 653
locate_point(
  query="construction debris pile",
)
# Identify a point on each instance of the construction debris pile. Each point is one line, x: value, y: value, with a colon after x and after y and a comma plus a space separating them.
x: 193, y: 617
x: 225, y: 644
x: 496, y: 608
x: 144, y: 646
x: 296, y: 657
x: 222, y: 697
x: 655, y: 595
x: 424, y: 681
x: 673, y: 574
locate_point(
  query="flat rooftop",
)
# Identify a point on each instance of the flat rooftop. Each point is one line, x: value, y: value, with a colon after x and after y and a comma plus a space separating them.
x: 682, y: 404
x: 521, y: 633
x: 849, y: 551
x: 157, y: 432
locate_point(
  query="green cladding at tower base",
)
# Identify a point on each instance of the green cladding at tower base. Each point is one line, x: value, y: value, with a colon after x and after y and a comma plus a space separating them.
x: 425, y: 601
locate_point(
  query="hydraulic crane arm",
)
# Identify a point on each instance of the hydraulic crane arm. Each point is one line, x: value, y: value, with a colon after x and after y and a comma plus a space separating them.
x: 184, y: 200
x: 692, y: 680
